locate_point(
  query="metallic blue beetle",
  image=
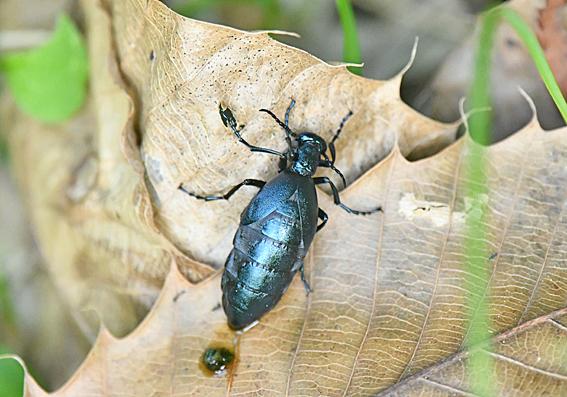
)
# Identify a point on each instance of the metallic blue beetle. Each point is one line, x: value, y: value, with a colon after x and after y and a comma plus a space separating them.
x: 278, y: 226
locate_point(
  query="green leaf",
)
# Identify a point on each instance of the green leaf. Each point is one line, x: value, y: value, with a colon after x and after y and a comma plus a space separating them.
x: 11, y: 376
x: 49, y: 83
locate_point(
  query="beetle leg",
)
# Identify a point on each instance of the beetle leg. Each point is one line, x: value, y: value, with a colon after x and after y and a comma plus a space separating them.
x: 324, y: 179
x: 257, y: 148
x: 227, y: 117
x: 324, y: 218
x: 282, y: 165
x: 329, y: 164
x: 246, y: 182
x: 229, y: 120
x: 333, y: 152
x: 304, y: 279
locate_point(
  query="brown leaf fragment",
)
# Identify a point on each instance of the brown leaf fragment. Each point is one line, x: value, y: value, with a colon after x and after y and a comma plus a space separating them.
x: 162, y: 355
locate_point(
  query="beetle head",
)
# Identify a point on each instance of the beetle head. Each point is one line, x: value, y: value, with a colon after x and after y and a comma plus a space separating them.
x: 315, y: 140
x: 309, y: 138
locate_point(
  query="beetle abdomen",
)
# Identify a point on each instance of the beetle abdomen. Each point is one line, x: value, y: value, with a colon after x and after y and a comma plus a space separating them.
x: 262, y: 264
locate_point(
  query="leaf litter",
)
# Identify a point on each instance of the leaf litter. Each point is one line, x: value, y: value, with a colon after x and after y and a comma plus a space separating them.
x: 388, y: 311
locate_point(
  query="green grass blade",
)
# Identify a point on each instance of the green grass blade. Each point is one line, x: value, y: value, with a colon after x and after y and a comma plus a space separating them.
x: 532, y: 44
x: 7, y: 316
x: 479, y: 95
x: 481, y: 365
x: 480, y: 123
x: 351, y: 49
x: 4, y: 153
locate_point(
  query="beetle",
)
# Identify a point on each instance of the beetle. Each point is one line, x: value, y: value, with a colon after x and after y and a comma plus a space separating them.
x: 278, y: 226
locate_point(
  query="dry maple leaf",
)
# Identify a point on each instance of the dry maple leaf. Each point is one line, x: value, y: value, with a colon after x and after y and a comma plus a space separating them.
x: 183, y: 69
x: 110, y: 187
x: 388, y: 311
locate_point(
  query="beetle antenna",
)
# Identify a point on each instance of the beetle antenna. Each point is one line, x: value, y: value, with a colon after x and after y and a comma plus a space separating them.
x: 288, y: 110
x: 288, y: 131
x: 341, y: 127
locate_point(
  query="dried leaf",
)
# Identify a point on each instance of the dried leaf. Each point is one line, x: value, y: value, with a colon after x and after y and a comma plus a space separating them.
x: 183, y: 69
x: 389, y: 304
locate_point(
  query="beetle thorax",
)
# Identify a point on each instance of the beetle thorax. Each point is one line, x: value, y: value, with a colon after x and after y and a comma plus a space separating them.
x: 307, y: 160
x: 307, y: 154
